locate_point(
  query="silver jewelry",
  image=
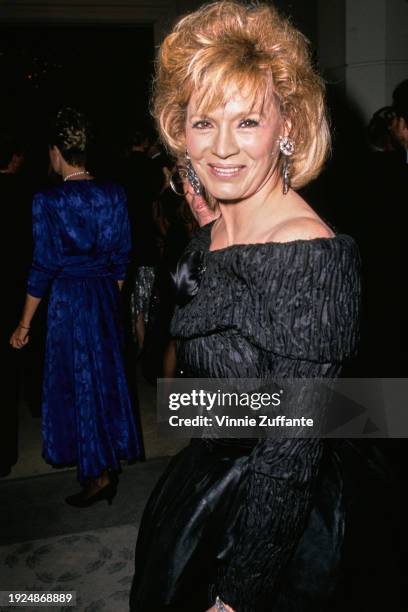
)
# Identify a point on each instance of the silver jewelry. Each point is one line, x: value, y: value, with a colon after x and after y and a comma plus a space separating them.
x: 192, y: 176
x: 286, y: 175
x: 286, y: 145
x: 174, y: 188
x: 75, y: 174
x: 219, y: 605
x: 173, y: 185
x: 287, y: 148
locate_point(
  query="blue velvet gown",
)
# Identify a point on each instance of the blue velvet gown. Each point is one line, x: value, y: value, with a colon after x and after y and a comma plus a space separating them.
x: 82, y: 244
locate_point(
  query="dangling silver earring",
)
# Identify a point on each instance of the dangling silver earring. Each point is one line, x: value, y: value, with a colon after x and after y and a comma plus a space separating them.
x: 287, y: 148
x: 174, y: 188
x: 192, y: 176
x: 179, y: 173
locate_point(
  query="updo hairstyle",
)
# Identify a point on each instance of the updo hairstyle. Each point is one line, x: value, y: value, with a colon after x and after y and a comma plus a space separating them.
x: 71, y: 133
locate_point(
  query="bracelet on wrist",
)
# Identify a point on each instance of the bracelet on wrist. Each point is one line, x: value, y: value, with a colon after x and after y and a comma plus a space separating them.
x: 219, y: 605
x: 23, y: 326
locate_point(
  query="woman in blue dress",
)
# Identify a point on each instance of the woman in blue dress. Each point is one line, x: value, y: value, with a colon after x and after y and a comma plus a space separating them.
x: 82, y: 243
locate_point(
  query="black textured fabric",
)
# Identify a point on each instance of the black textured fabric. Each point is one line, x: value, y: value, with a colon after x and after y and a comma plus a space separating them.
x: 297, y: 299
x: 239, y: 518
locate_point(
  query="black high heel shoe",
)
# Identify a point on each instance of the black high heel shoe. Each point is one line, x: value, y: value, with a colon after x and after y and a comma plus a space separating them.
x: 82, y: 500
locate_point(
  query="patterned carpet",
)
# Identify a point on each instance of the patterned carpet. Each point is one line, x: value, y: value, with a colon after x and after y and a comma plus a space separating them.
x: 46, y: 545
x: 98, y: 565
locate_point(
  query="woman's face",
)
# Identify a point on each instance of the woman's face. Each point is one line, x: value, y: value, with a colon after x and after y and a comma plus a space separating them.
x: 234, y: 149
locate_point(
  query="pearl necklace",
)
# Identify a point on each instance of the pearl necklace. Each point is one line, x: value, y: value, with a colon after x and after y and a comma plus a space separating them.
x: 75, y: 174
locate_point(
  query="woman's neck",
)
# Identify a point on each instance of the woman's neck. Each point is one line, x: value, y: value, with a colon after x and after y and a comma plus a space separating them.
x: 78, y: 171
x: 72, y: 173
x: 251, y: 219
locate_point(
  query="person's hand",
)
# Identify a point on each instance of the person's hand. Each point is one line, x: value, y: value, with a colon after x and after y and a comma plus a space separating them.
x: 215, y: 609
x: 199, y: 207
x: 20, y: 337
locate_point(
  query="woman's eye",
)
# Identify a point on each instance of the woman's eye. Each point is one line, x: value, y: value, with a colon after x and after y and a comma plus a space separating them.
x: 249, y: 123
x: 202, y: 125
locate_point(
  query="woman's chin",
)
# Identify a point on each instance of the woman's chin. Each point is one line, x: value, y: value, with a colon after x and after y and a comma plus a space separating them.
x: 226, y: 195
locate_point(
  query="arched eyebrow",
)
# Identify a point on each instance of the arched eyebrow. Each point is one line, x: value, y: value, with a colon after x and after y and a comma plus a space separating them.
x: 240, y: 115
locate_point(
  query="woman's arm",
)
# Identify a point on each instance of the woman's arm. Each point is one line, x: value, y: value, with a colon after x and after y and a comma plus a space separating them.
x: 46, y: 257
x: 20, y: 337
x: 313, y: 333
x: 29, y: 310
x: 44, y: 267
x: 121, y: 252
x: 269, y: 522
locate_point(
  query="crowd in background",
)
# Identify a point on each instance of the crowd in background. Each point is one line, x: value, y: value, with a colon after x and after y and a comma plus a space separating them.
x: 162, y: 222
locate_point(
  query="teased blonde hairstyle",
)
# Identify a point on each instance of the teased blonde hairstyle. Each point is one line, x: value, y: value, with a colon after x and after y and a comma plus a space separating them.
x: 227, y: 46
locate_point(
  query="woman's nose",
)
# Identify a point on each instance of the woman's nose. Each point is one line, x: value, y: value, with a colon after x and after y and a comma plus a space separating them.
x: 225, y: 143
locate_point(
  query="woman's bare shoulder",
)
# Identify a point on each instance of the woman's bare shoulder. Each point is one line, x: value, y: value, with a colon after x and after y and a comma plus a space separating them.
x: 301, y: 228
x: 302, y: 223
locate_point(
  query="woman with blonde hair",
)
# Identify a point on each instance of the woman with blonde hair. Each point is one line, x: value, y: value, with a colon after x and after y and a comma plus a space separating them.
x: 250, y: 524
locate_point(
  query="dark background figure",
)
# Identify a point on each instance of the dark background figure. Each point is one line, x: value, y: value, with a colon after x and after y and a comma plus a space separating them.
x: 364, y: 191
x: 366, y: 178
x: 385, y: 330
x: 399, y: 126
x: 142, y: 181
x: 17, y: 219
x: 175, y: 224
x: 379, y: 132
x: 161, y: 160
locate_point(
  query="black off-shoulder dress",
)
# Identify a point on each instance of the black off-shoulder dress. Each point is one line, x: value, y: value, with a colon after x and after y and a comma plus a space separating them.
x: 258, y: 522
